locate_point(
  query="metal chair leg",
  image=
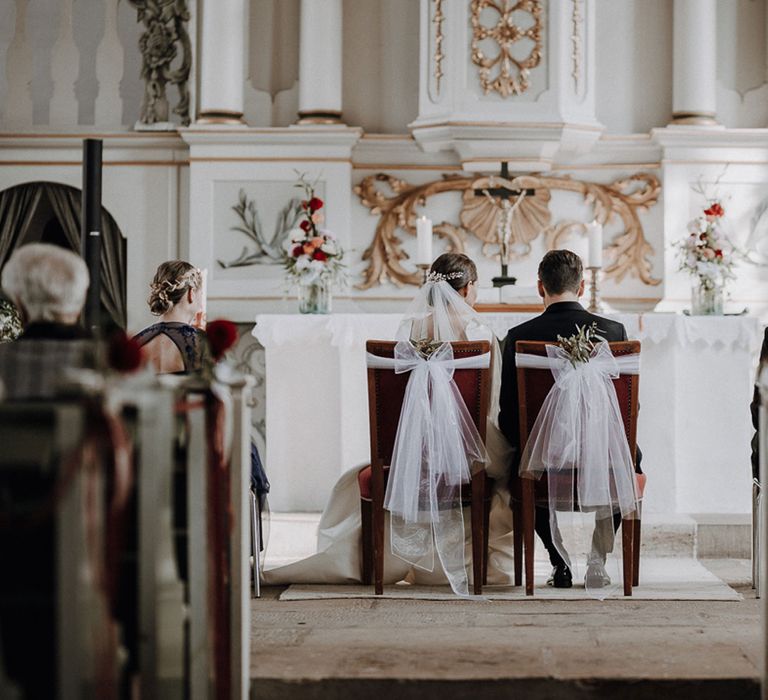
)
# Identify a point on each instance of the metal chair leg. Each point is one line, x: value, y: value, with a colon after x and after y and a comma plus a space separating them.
x: 255, y: 542
x: 757, y: 544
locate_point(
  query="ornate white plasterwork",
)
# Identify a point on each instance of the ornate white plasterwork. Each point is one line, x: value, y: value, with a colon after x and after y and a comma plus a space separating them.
x: 437, y: 20
x: 577, y: 20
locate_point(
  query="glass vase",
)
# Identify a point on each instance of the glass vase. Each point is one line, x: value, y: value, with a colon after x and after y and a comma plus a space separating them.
x: 707, y: 300
x: 315, y: 298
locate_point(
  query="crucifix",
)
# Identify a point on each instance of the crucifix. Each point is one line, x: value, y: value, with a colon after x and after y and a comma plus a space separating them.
x: 501, y: 197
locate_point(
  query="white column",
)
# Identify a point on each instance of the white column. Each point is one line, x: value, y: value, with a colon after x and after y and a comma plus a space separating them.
x: 18, y: 71
x: 110, y: 63
x: 694, y: 98
x: 222, y: 74
x: 64, y: 70
x: 320, y: 41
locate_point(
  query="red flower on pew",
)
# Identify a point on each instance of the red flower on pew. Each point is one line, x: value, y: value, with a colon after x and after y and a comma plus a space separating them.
x: 124, y: 353
x: 222, y: 335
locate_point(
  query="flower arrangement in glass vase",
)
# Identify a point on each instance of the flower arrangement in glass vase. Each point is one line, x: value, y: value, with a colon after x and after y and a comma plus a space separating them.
x: 708, y: 255
x: 314, y: 256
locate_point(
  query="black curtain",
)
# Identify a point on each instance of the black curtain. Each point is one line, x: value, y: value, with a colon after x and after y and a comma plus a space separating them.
x: 17, y: 206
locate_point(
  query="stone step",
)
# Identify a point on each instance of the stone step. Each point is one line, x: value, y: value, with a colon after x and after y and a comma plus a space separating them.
x: 703, y: 535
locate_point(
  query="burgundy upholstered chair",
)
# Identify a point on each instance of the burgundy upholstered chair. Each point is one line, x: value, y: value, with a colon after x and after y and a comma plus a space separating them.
x: 533, y: 386
x: 386, y: 391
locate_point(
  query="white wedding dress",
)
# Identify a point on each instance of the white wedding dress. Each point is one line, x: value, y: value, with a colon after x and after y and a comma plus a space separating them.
x: 338, y: 556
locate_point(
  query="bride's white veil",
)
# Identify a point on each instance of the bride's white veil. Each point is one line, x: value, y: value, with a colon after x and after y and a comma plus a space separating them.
x: 437, y: 443
x: 438, y: 312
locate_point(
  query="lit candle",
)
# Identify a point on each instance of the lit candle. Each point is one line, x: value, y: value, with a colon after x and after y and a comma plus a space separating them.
x: 423, y: 241
x: 595, y: 238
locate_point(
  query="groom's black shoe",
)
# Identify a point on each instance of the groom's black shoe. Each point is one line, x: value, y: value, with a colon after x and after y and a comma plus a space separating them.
x: 561, y: 577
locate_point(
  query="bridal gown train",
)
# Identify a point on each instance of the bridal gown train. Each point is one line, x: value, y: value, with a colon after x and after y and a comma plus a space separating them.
x: 338, y: 556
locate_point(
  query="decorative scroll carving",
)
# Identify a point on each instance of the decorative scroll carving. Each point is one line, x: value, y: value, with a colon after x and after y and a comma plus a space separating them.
x: 511, y: 74
x: 437, y: 20
x: 577, y: 19
x: 627, y: 254
x: 164, y: 30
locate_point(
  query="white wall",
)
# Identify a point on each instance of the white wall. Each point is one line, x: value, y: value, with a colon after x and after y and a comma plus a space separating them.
x: 380, y: 84
x: 634, y: 64
x: 742, y: 52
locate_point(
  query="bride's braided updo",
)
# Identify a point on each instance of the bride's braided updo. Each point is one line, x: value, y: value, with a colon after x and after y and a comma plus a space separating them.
x: 455, y: 268
x: 172, y: 281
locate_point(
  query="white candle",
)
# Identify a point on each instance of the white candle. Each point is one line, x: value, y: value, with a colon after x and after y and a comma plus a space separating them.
x: 423, y: 241
x: 595, y: 238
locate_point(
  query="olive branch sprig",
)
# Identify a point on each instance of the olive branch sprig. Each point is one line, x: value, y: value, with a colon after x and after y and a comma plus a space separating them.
x: 426, y: 347
x: 580, y: 345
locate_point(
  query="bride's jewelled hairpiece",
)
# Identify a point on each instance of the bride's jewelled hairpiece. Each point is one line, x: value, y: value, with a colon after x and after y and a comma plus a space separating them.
x: 443, y: 277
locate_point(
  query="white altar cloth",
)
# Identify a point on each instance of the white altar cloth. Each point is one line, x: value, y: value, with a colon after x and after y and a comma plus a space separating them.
x: 694, y: 428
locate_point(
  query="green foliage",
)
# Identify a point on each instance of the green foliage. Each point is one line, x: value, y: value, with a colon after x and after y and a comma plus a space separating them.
x: 580, y: 345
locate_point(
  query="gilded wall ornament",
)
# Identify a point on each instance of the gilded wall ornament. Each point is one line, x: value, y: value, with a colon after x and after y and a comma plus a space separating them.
x: 627, y: 254
x: 577, y: 20
x: 164, y: 39
x: 503, y: 72
x: 437, y: 20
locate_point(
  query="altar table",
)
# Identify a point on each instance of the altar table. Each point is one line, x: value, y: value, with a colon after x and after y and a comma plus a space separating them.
x: 694, y: 426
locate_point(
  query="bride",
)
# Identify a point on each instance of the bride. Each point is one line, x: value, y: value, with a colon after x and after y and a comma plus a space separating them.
x: 441, y: 311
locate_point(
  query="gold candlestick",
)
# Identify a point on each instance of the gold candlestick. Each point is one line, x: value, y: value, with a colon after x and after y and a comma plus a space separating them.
x: 595, y: 305
x: 424, y: 267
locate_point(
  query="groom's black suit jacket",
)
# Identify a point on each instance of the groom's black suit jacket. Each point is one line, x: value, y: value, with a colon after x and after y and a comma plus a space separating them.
x: 558, y: 319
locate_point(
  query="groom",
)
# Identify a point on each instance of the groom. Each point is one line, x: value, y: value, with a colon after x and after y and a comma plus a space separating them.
x: 561, y: 284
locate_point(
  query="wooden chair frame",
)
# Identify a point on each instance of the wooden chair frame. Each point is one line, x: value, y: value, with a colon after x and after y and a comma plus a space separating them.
x: 524, y: 489
x: 381, y: 452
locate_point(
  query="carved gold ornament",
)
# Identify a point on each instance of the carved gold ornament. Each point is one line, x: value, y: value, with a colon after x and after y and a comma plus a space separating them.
x: 503, y: 72
x: 577, y: 19
x: 628, y: 253
x: 437, y: 20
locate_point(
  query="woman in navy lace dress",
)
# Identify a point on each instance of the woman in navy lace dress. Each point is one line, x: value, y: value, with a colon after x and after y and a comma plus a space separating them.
x: 175, y: 344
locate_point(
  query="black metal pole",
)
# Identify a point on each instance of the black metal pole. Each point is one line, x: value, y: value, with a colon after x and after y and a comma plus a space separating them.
x: 90, y: 230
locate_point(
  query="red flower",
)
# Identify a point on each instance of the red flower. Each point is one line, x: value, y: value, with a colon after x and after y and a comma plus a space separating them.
x: 320, y: 255
x: 297, y: 250
x: 315, y: 203
x: 305, y: 225
x: 222, y: 335
x: 124, y: 353
x: 718, y: 253
x: 715, y: 210
x: 703, y: 236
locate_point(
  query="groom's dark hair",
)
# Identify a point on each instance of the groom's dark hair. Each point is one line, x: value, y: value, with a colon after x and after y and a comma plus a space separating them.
x: 561, y: 271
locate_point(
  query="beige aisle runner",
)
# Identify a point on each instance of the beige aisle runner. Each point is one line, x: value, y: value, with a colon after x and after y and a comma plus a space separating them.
x: 662, y: 578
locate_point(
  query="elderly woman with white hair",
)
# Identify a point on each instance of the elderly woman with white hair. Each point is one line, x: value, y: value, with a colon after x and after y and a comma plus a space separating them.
x: 47, y: 284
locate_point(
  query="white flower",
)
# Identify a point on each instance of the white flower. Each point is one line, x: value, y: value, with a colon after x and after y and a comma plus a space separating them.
x: 296, y: 235
x: 329, y: 248
x: 708, y: 270
x: 697, y: 226
x: 325, y: 232
x: 303, y: 262
x: 691, y: 260
x: 317, y: 266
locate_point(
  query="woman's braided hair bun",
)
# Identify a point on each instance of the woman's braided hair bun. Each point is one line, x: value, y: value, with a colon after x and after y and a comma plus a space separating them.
x: 170, y: 284
x: 455, y: 268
